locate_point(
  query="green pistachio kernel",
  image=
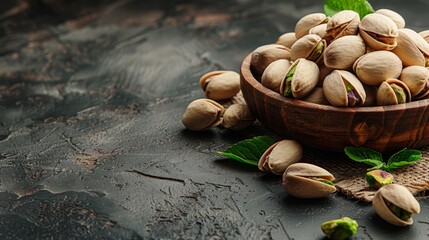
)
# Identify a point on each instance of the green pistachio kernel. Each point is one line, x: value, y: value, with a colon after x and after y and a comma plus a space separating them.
x: 340, y: 229
x: 400, y: 93
x: 378, y: 178
x: 399, y: 212
x: 324, y: 181
x: 317, y: 52
x: 288, y: 85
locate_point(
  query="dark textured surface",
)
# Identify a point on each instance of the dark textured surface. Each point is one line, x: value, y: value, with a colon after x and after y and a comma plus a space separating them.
x: 91, y: 144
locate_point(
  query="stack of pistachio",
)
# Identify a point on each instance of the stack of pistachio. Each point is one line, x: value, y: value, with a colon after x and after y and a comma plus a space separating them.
x: 224, y: 105
x: 345, y: 61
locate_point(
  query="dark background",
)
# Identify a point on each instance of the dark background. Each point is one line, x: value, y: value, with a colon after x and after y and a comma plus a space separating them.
x: 91, y: 143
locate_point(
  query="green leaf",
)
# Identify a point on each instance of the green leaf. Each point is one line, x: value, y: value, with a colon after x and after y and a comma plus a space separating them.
x: 365, y: 155
x: 248, y: 151
x: 360, y: 6
x: 403, y: 158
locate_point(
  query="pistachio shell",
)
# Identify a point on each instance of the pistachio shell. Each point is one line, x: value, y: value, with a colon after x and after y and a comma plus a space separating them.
x: 378, y: 31
x: 220, y: 85
x: 417, y: 80
x: 274, y: 74
x: 407, y: 51
x: 265, y: 55
x: 343, y: 23
x: 303, y: 80
x: 375, y: 67
x: 319, y: 30
x: 299, y: 181
x: 335, y: 88
x: 202, y: 114
x: 307, y: 22
x: 401, y: 197
x: 287, y: 39
x: 279, y: 156
x: 425, y: 35
x: 396, y: 18
x: 316, y: 96
x: 386, y: 95
x: 237, y: 117
x: 309, y: 47
x: 343, y: 52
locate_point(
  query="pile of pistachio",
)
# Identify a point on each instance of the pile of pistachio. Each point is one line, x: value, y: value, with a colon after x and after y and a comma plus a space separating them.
x: 345, y: 61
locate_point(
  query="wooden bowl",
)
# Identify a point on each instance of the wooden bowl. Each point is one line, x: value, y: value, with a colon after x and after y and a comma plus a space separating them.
x: 382, y: 128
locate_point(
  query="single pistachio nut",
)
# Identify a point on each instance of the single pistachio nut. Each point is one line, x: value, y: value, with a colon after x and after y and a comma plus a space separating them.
x: 319, y: 30
x: 340, y: 229
x: 343, y: 52
x: 237, y: 117
x: 343, y: 23
x: 378, y: 31
x: 307, y: 22
x: 287, y: 39
x: 279, y: 156
x: 220, y: 85
x: 274, y: 74
x: 395, y: 204
x: 392, y: 92
x: 417, y: 80
x: 425, y: 35
x: 301, y: 78
x: 202, y: 114
x: 265, y: 55
x: 396, y: 17
x: 378, y: 178
x: 309, y: 47
x: 316, y: 96
x: 304, y: 180
x: 412, y: 49
x: 375, y: 67
x: 344, y: 89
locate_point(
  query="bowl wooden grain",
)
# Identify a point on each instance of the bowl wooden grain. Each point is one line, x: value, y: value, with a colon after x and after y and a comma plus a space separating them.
x: 382, y: 128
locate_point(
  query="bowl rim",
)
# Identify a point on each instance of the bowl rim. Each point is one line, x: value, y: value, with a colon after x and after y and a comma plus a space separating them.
x: 247, y: 76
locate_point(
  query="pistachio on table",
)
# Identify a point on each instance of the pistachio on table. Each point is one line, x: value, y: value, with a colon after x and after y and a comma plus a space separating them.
x: 417, y: 80
x: 265, y: 55
x: 237, y: 117
x: 279, y: 156
x: 287, y: 39
x: 378, y: 178
x: 341, y: 24
x: 392, y: 92
x: 310, y: 47
x: 301, y: 78
x: 395, y: 204
x: 340, y: 229
x: 274, y: 74
x: 309, y: 21
x: 412, y: 48
x: 220, y: 85
x: 304, y: 180
x: 343, y: 89
x: 378, y: 31
x: 203, y: 114
x: 343, y: 52
x: 396, y: 17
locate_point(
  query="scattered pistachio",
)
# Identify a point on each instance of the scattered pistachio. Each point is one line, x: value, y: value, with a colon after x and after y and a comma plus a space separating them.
x: 378, y: 178
x: 340, y: 229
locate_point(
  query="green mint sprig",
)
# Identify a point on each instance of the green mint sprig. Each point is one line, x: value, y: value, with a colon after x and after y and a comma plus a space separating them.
x: 248, y: 151
x: 360, y: 6
x: 374, y: 159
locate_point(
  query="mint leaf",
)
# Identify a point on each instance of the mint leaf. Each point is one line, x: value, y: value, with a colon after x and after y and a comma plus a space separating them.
x: 366, y: 156
x: 248, y: 151
x: 403, y: 158
x: 360, y: 6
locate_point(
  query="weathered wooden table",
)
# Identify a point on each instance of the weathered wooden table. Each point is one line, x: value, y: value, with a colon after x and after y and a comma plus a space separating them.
x: 91, y: 143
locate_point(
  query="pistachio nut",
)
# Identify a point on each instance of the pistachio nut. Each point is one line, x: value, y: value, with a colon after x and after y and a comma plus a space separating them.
x: 307, y: 22
x: 279, y: 156
x: 237, y: 117
x: 220, y: 85
x: 425, y: 35
x: 304, y: 180
x: 309, y: 47
x: 412, y: 48
x: 343, y: 52
x: 301, y: 78
x: 266, y: 54
x: 395, y: 204
x: 392, y: 92
x: 343, y: 23
x: 319, y: 30
x: 344, y: 89
x: 378, y: 31
x: 274, y: 74
x: 340, y: 229
x: 316, y: 96
x: 287, y: 39
x: 396, y: 17
x: 417, y: 80
x: 375, y: 67
x: 378, y: 178
x: 238, y: 98
x: 202, y: 114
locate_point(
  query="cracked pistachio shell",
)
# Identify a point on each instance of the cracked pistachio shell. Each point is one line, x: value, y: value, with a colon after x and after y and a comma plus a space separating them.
x: 417, y: 80
x: 220, y: 85
x: 265, y: 55
x: 274, y: 74
x: 412, y: 49
x: 387, y: 93
x: 237, y: 117
x: 316, y: 96
x: 343, y: 23
x: 335, y: 88
x: 399, y: 196
x: 309, y: 47
x: 319, y: 30
x: 343, y: 52
x: 396, y: 17
x: 425, y: 35
x: 375, y: 67
x: 300, y: 180
x: 279, y: 156
x: 378, y: 31
x: 202, y: 114
x: 307, y: 22
x: 287, y: 39
x: 303, y: 80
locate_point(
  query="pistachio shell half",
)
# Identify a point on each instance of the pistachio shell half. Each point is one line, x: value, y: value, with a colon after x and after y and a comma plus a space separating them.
x: 378, y: 31
x: 274, y: 74
x: 417, y: 80
x: 343, y: 89
x: 395, y: 204
x: 343, y: 23
x: 396, y: 17
x: 287, y: 39
x: 279, y: 156
x: 392, y: 92
x: 301, y: 78
x: 309, y: 47
x: 265, y: 55
x: 304, y: 180
x: 220, y: 85
x: 307, y: 22
x: 343, y: 52
x: 237, y: 117
x: 412, y: 48
x: 202, y: 114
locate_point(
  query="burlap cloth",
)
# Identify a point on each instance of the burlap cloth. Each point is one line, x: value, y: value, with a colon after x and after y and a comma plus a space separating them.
x: 350, y: 175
